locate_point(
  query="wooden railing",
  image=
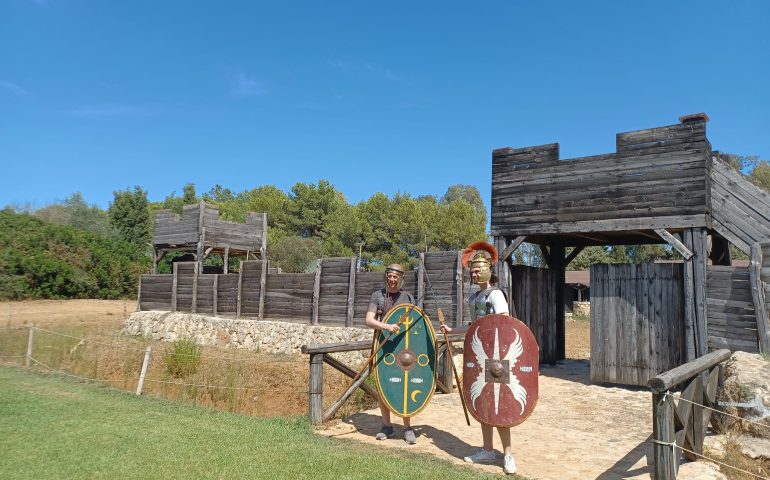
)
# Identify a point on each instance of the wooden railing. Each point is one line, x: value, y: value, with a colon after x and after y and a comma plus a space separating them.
x: 320, y: 354
x: 679, y: 423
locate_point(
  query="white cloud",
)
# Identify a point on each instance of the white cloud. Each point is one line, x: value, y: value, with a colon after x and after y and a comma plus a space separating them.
x: 12, y: 88
x: 114, y: 110
x: 244, y: 85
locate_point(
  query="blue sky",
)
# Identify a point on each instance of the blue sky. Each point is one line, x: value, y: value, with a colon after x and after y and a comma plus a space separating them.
x: 98, y: 96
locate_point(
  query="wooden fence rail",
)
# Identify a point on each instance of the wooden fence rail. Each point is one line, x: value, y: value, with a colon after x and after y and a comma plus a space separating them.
x: 320, y: 354
x: 683, y: 425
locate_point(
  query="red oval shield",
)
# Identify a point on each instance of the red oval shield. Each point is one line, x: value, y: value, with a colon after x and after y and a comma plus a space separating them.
x: 500, y: 370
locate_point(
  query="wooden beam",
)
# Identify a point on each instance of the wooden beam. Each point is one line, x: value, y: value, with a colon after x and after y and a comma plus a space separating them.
x: 646, y: 234
x: 351, y: 292
x: 574, y: 253
x: 460, y: 300
x: 216, y: 293
x: 196, y: 270
x: 240, y: 289
x: 315, y: 389
x: 262, y: 287
x: 512, y: 247
x: 699, y: 260
x: 226, y: 259
x: 689, y: 303
x: 590, y: 237
x: 674, y: 242
x: 758, y: 296
x: 174, y: 283
x: 667, y: 380
x: 316, y: 292
x: 329, y: 360
x: 421, y: 281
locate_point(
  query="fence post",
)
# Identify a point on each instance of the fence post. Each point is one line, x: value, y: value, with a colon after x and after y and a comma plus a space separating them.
x: 29, y: 344
x: 315, y: 390
x: 316, y: 293
x: 351, y: 292
x: 666, y: 462
x: 146, y: 362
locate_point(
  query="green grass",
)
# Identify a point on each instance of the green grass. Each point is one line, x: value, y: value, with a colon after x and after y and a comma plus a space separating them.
x: 54, y: 427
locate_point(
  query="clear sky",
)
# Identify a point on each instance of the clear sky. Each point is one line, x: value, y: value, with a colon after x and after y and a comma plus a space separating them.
x: 408, y: 96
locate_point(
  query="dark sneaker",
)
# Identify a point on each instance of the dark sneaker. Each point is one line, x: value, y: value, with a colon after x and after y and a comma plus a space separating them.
x: 385, y: 432
x: 409, y: 436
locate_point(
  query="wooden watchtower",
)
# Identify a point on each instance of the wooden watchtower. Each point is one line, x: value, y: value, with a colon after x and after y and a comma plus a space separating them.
x: 661, y: 185
x: 199, y: 231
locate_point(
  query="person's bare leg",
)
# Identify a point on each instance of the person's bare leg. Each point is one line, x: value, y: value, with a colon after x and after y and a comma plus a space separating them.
x: 505, y: 439
x: 486, y: 435
x: 385, y: 413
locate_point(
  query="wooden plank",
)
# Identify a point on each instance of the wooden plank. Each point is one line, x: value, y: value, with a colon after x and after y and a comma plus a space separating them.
x: 240, y: 289
x: 758, y: 297
x: 175, y: 269
x: 675, y: 243
x: 460, y: 299
x: 699, y: 279
x: 421, y: 280
x: 351, y: 292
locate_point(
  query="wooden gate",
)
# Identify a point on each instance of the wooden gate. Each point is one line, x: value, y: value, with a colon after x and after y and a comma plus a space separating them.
x: 533, y: 291
x: 637, y: 321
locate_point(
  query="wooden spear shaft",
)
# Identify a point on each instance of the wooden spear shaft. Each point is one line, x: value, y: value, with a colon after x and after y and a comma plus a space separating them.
x: 454, y: 368
x: 379, y: 347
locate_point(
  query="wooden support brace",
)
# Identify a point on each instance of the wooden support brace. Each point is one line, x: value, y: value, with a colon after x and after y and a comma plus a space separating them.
x: 512, y: 247
x: 574, y: 253
x: 674, y: 242
x: 316, y: 292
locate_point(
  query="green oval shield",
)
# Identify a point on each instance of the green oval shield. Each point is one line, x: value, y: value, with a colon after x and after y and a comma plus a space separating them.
x: 405, y: 366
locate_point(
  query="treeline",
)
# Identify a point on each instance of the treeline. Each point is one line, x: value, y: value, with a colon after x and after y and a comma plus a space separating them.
x: 73, y: 249
x: 43, y: 260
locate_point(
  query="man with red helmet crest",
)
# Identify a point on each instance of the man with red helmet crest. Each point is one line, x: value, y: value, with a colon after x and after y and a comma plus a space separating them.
x: 479, y: 257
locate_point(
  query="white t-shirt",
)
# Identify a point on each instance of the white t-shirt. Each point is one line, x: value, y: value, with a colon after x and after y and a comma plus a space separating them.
x: 494, y: 297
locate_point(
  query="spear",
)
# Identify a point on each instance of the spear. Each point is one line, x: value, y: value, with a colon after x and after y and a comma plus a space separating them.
x: 454, y: 368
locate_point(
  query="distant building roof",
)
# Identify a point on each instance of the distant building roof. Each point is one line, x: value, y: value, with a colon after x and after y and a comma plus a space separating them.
x: 577, y: 277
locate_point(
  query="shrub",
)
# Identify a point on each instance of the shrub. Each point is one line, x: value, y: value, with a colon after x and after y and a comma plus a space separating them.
x: 183, y: 358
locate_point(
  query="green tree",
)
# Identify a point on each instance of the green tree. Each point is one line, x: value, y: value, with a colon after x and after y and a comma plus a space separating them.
x: 470, y: 194
x: 760, y: 175
x: 310, y: 206
x: 130, y: 215
x: 295, y: 254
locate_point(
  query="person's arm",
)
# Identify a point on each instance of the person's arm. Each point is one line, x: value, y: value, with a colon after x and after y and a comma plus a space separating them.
x: 372, y: 322
x: 498, y: 302
x: 448, y: 329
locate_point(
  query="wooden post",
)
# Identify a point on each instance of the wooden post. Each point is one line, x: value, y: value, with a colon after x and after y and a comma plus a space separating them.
x: 315, y: 388
x: 226, y: 260
x: 558, y: 253
x: 154, y: 260
x: 194, y: 306
x: 138, y: 299
x: 698, y: 429
x: 146, y: 362
x: 29, y: 344
x: 421, y: 281
x: 240, y: 285
x: 316, y: 292
x: 460, y: 300
x: 689, y: 302
x: 699, y: 259
x: 262, y: 286
x: 446, y: 365
x: 201, y: 231
x: 216, y: 294
x: 174, y: 283
x: 758, y: 296
x: 351, y: 292
x: 666, y: 462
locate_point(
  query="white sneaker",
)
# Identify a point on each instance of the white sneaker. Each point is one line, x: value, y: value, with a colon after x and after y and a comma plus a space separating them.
x: 482, y: 456
x: 509, y: 465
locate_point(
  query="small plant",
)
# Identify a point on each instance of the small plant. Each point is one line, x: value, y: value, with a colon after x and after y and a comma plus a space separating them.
x: 183, y: 358
x: 581, y: 317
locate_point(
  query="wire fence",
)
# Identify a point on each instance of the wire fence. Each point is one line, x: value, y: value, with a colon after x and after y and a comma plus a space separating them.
x: 157, y: 363
x: 240, y: 382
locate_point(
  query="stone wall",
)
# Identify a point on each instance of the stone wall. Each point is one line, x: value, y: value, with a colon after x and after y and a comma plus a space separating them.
x: 262, y: 336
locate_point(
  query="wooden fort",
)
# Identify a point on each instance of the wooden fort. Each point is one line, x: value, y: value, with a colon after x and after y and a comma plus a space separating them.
x: 200, y: 231
x: 661, y: 185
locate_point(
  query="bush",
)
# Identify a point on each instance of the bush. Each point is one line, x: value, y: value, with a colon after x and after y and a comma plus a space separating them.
x: 183, y: 358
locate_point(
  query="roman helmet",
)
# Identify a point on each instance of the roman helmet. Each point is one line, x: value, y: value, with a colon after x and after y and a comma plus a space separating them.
x: 395, y: 268
x: 482, y: 255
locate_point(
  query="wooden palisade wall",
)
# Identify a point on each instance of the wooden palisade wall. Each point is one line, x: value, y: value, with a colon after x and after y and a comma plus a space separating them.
x: 335, y: 294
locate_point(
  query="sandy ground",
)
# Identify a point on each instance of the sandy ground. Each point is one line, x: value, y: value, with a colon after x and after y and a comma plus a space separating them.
x: 578, y: 430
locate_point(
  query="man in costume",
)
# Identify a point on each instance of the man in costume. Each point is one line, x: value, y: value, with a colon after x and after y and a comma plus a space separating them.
x: 479, y: 257
x: 380, y: 303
